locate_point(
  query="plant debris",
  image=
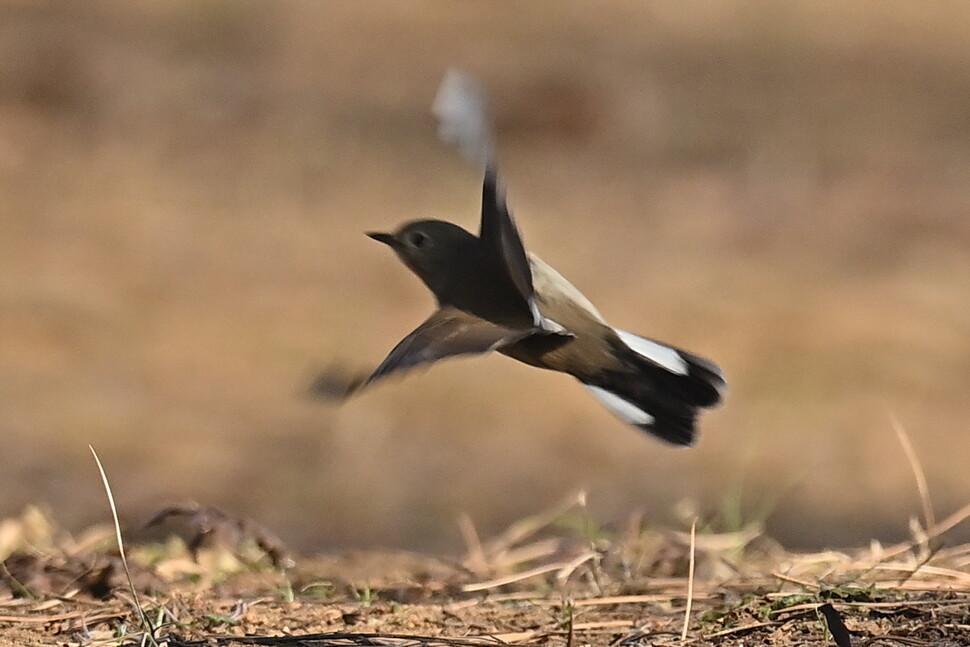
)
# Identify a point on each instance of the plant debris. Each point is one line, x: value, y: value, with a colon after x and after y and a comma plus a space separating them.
x: 546, y: 580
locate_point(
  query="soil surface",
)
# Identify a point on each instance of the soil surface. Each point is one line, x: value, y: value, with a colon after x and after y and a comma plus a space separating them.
x: 545, y: 581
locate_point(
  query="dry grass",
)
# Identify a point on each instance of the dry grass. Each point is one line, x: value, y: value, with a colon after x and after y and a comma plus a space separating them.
x: 538, y: 583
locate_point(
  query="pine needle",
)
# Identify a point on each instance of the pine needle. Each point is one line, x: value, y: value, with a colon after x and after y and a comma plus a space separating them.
x: 146, y: 622
x: 690, y: 579
x: 929, y: 519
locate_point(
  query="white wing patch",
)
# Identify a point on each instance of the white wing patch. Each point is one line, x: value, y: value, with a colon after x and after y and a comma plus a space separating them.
x: 553, y: 287
x: 545, y: 324
x: 659, y: 354
x: 624, y: 410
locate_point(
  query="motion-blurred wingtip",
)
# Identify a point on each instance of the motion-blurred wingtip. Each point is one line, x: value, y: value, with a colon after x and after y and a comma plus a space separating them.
x: 461, y: 107
x: 337, y: 384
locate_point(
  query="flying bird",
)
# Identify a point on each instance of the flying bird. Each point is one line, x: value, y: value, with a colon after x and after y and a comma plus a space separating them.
x: 493, y: 296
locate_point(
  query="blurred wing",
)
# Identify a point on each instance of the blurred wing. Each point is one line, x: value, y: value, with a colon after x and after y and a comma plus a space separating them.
x: 500, y: 237
x: 446, y: 333
x: 504, y: 250
x: 462, y: 111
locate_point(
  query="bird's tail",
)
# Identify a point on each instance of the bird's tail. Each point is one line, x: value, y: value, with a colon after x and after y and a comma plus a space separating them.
x: 658, y: 388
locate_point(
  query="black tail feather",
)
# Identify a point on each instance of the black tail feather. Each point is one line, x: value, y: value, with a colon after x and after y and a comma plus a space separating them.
x: 660, y: 401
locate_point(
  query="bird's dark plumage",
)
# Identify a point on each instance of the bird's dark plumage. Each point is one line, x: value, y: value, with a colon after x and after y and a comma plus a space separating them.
x: 500, y: 241
x: 493, y: 296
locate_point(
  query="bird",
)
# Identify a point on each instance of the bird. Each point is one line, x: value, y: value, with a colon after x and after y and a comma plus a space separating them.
x: 492, y: 295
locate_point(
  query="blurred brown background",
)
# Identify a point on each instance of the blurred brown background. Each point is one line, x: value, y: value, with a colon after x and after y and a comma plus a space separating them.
x: 183, y: 189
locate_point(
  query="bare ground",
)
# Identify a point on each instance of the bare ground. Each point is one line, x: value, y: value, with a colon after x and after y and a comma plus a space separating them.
x: 551, y: 579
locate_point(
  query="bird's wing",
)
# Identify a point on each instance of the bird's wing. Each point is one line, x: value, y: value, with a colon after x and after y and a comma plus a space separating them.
x: 500, y: 238
x: 445, y: 333
x: 504, y: 250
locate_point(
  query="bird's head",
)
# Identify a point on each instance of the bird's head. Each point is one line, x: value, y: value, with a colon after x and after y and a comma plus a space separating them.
x: 435, y: 250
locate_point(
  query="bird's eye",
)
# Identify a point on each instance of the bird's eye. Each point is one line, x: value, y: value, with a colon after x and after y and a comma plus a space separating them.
x: 417, y: 239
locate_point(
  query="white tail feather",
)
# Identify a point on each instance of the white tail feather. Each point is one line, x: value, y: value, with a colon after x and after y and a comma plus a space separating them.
x: 657, y: 353
x: 623, y: 409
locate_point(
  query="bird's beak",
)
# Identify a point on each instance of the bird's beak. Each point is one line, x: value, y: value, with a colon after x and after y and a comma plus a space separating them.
x: 387, y: 239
